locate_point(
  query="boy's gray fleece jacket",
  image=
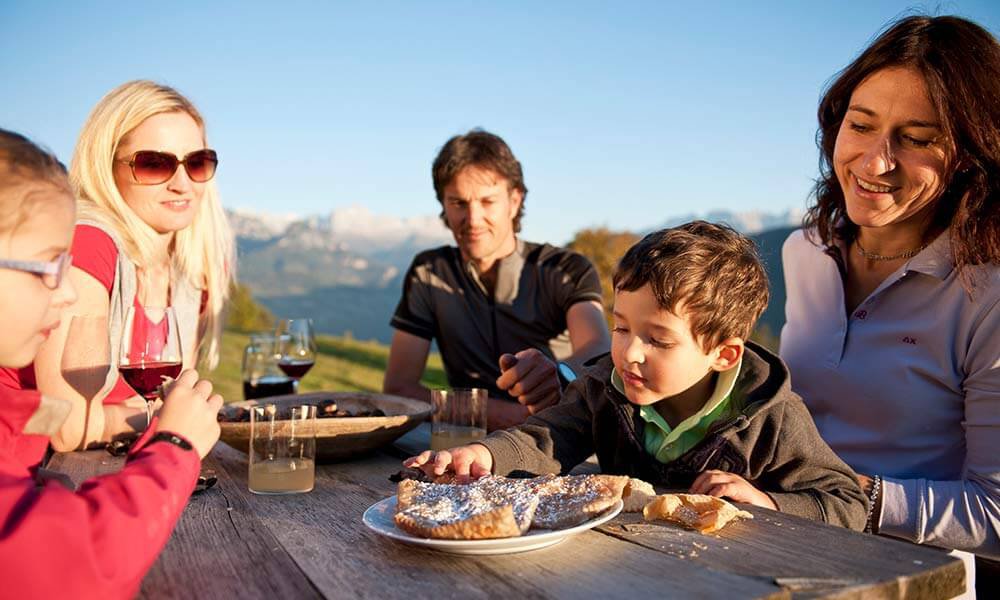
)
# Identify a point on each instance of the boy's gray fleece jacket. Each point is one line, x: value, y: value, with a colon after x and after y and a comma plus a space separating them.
x: 769, y: 439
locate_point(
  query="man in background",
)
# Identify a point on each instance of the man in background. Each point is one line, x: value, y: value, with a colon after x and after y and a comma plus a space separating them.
x: 504, y: 311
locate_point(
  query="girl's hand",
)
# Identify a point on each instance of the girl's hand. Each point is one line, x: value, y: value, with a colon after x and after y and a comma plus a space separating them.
x: 732, y: 486
x: 190, y: 410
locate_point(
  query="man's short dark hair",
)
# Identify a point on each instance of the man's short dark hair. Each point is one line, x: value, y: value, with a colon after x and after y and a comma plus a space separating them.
x: 710, y: 271
x: 480, y: 149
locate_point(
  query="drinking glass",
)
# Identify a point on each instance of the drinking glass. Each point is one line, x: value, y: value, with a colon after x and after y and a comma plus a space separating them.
x: 459, y: 417
x: 150, y: 352
x: 297, y: 347
x: 86, y: 357
x: 282, y: 449
x: 262, y: 377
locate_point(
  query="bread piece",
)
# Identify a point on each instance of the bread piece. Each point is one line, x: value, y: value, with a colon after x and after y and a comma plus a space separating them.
x: 705, y: 514
x: 494, y: 507
x: 488, y: 508
x: 439, y: 519
x: 637, y: 494
x: 571, y: 500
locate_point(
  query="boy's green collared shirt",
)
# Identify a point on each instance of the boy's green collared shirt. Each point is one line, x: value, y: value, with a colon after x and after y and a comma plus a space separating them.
x: 665, y: 443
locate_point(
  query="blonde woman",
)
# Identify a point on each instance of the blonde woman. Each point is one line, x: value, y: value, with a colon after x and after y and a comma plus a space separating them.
x: 150, y: 232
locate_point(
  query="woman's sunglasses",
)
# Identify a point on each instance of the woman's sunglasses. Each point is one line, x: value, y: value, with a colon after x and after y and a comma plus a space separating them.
x: 150, y: 167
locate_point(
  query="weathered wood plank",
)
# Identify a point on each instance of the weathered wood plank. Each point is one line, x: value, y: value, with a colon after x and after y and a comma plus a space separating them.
x: 230, y: 541
x: 806, y: 555
x: 775, y: 546
x: 323, y: 531
x: 218, y: 549
x: 80, y: 466
x: 803, y: 555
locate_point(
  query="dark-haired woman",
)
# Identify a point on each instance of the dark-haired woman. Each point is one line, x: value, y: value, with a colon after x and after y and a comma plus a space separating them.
x: 893, y: 311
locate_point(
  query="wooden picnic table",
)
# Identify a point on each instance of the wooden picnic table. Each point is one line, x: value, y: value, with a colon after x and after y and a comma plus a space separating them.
x: 232, y: 543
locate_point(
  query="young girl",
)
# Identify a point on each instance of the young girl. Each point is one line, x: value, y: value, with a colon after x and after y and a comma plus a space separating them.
x: 151, y: 232
x: 100, y: 540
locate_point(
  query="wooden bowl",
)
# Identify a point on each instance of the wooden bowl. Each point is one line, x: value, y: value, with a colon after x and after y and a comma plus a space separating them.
x: 338, y: 438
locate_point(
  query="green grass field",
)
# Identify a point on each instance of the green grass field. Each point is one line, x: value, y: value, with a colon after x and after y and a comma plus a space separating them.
x: 342, y: 364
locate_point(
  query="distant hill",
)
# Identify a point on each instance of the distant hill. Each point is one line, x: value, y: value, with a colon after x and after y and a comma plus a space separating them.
x: 344, y: 270
x: 769, y: 243
x: 362, y: 312
x: 342, y: 364
x: 748, y: 222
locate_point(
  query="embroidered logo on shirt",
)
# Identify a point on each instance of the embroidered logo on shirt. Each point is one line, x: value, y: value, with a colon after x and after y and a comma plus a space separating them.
x: 861, y: 314
x: 909, y: 340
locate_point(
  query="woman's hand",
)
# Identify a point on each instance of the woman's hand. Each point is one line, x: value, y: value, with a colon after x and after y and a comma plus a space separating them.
x: 732, y: 486
x: 466, y: 462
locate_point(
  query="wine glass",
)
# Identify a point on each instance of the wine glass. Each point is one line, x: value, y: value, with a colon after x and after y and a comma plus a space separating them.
x: 297, y: 347
x: 86, y: 356
x: 150, y: 352
x: 262, y: 377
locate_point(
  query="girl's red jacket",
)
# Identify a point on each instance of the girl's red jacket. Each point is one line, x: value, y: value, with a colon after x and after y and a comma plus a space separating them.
x: 96, y: 542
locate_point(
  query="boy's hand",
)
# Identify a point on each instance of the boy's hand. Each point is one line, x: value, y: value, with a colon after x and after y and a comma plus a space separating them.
x: 530, y: 377
x: 190, y: 410
x: 466, y: 462
x: 732, y: 486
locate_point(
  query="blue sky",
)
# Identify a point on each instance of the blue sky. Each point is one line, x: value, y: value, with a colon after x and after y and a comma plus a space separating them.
x: 622, y: 113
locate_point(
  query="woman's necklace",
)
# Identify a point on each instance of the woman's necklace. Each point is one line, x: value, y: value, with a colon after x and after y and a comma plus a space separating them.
x: 874, y: 256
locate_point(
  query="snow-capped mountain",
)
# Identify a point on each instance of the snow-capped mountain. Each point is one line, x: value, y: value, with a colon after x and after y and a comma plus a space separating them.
x: 747, y: 222
x: 284, y: 255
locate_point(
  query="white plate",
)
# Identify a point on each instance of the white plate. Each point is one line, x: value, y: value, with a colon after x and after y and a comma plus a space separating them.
x: 378, y: 518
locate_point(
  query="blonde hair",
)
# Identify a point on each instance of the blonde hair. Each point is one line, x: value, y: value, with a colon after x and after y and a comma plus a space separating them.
x: 204, y: 251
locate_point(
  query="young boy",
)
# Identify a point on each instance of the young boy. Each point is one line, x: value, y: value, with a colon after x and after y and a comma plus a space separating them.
x: 683, y: 400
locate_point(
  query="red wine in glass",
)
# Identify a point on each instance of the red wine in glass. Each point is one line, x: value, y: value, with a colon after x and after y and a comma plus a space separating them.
x: 297, y: 347
x: 265, y: 387
x: 150, y: 351
x: 295, y: 368
x: 146, y: 378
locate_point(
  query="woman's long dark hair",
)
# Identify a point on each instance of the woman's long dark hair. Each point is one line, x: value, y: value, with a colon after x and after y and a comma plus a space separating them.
x: 961, y: 63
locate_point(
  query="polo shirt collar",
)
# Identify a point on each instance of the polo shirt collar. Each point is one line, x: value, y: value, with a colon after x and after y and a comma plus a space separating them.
x: 508, y: 274
x: 936, y: 259
x: 724, y: 385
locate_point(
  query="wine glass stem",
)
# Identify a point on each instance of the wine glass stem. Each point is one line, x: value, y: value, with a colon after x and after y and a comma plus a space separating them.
x: 149, y: 412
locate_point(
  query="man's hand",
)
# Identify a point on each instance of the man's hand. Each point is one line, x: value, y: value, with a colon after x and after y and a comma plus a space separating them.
x: 190, y: 410
x: 466, y: 462
x: 732, y: 486
x: 530, y: 377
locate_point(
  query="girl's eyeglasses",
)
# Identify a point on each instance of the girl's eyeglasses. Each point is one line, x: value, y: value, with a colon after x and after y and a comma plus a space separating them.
x: 51, y: 273
x: 151, y: 167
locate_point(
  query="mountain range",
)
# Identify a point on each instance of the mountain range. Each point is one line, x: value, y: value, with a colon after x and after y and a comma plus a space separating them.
x: 344, y: 269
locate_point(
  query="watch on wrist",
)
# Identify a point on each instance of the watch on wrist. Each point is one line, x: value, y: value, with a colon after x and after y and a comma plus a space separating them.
x: 171, y: 438
x: 566, y: 374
